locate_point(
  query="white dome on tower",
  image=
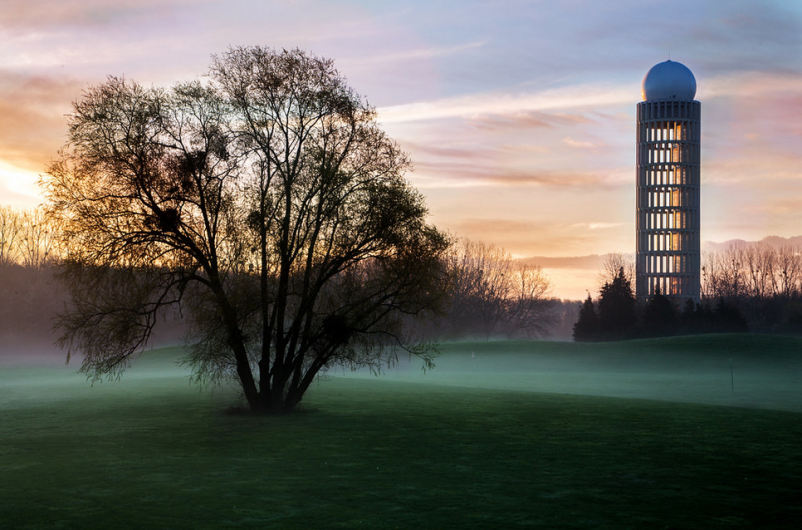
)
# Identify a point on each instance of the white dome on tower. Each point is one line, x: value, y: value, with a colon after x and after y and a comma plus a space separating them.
x: 669, y: 81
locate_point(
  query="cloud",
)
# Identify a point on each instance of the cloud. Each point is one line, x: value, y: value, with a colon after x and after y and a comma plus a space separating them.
x: 580, y: 144
x: 750, y: 84
x: 749, y: 36
x: 596, y: 225
x: 520, y: 237
x: 97, y: 35
x: 455, y: 174
x: 482, y: 168
x: 417, y: 54
x: 588, y: 96
x: 19, y: 16
x: 473, y: 224
x: 592, y: 262
x: 33, y: 108
x: 437, y: 150
x: 527, y: 119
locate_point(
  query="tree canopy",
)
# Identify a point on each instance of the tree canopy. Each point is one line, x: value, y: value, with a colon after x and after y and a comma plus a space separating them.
x: 586, y: 327
x: 266, y: 203
x: 660, y: 317
x: 617, y: 308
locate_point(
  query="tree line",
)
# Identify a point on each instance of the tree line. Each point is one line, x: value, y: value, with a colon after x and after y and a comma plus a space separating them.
x: 489, y: 294
x: 492, y: 295
x: 762, y: 283
x: 755, y: 288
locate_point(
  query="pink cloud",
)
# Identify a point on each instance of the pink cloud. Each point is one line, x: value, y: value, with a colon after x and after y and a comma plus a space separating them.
x: 33, y: 126
x: 526, y: 120
x: 24, y: 15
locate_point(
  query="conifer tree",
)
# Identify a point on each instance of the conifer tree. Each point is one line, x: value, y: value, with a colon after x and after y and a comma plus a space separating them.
x: 617, y: 309
x: 586, y: 328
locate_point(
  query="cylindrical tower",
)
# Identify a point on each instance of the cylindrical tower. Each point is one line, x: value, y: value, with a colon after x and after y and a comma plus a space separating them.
x: 668, y: 184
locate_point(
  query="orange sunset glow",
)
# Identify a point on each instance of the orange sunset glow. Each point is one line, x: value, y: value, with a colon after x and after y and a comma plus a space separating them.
x: 519, y: 117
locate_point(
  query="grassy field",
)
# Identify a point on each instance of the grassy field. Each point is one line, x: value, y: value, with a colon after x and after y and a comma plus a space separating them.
x: 735, y: 370
x: 499, y: 435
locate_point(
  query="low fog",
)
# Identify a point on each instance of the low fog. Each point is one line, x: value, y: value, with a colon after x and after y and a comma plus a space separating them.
x: 743, y: 372
x: 734, y: 370
x: 30, y: 300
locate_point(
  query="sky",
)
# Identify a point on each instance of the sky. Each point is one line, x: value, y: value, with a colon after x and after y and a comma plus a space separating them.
x: 519, y: 116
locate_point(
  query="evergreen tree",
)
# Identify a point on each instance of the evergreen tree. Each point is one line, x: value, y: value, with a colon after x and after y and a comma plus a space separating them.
x: 728, y: 318
x: 791, y: 319
x: 587, y: 328
x: 660, y: 317
x: 690, y: 319
x: 617, y: 309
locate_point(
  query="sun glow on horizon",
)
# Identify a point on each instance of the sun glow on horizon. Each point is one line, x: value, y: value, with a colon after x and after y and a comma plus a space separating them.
x: 22, y: 184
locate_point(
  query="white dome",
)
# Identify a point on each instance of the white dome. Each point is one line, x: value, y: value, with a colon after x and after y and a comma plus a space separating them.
x: 669, y: 81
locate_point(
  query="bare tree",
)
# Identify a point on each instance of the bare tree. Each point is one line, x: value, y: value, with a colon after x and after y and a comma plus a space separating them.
x: 758, y: 261
x: 723, y: 273
x: 532, y: 311
x: 10, y: 233
x: 267, y: 202
x: 788, y: 271
x: 478, y: 273
x: 38, y: 239
x: 493, y: 294
x: 755, y: 271
x: 27, y: 237
x: 613, y: 264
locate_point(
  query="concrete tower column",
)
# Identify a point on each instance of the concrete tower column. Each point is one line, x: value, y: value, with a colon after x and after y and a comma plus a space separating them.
x: 668, y: 185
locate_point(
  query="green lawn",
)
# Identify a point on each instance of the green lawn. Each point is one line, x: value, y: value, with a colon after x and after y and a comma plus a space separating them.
x: 407, y: 450
x: 735, y: 370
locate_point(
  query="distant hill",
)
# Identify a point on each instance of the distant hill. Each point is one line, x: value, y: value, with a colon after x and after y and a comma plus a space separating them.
x: 593, y: 261
x: 772, y: 241
x: 596, y: 261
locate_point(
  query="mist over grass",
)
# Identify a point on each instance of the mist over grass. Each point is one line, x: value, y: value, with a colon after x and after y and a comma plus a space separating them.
x: 490, y: 438
x: 35, y: 346
x: 151, y: 451
x: 742, y: 370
